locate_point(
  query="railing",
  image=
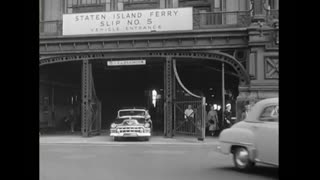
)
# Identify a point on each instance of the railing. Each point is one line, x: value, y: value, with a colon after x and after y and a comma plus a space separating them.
x: 221, y: 19
x: 203, y: 20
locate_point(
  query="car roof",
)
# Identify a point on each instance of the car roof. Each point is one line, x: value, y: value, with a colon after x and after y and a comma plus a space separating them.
x: 259, y: 106
x: 268, y: 100
x: 133, y: 107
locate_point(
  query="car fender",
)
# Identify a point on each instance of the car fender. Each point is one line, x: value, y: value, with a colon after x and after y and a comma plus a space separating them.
x: 232, y: 137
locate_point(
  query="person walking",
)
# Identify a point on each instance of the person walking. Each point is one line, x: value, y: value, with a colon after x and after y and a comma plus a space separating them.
x: 245, y: 112
x: 212, y: 121
x: 227, y: 116
x: 71, y: 119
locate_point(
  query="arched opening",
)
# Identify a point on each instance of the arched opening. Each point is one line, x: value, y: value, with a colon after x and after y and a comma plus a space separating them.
x: 119, y: 86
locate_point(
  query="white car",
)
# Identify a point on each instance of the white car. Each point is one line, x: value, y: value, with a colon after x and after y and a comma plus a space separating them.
x: 256, y: 138
x: 132, y: 122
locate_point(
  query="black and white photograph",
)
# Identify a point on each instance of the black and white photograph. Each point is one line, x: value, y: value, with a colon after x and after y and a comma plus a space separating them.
x: 158, y: 89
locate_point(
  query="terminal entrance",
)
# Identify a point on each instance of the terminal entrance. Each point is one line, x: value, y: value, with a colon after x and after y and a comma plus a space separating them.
x: 146, y: 85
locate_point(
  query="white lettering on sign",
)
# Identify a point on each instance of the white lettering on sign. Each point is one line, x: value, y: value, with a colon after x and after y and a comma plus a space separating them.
x: 126, y: 63
x: 128, y: 21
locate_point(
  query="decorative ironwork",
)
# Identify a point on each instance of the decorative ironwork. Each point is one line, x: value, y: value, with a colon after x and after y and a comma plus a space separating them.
x: 271, y: 68
x: 194, y: 125
x: 157, y: 42
x: 218, y: 56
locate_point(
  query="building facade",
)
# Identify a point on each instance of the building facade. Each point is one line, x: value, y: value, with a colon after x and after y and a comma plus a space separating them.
x: 242, y: 34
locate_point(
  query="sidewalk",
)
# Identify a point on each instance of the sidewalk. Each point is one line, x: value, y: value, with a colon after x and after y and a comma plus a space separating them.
x: 104, y: 138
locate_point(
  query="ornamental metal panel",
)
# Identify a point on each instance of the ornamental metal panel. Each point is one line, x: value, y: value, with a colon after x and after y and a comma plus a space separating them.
x: 189, y: 110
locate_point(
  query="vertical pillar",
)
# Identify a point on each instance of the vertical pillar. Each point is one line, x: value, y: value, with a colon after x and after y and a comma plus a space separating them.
x: 108, y: 5
x: 223, y: 97
x: 168, y: 97
x: 85, y: 116
x: 202, y: 134
x: 173, y: 100
x: 52, y: 106
x: 162, y: 4
x: 175, y: 3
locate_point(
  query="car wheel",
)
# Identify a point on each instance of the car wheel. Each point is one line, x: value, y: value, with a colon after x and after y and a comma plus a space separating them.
x: 241, y: 159
x: 146, y: 138
x: 115, y: 138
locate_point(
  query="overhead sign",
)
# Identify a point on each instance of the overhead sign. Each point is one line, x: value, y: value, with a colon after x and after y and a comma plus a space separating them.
x: 128, y: 21
x: 126, y: 63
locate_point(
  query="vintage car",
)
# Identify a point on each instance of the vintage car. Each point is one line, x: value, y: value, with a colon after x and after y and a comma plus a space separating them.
x: 255, y: 139
x: 132, y: 122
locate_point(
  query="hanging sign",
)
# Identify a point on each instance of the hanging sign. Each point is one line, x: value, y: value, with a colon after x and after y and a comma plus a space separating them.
x: 126, y: 63
x: 171, y: 19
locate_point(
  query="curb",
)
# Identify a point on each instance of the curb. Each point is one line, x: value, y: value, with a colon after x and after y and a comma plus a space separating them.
x: 128, y: 143
x: 106, y: 141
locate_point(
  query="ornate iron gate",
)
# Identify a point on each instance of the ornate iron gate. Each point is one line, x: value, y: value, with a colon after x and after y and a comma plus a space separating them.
x: 194, y: 124
x: 91, y: 105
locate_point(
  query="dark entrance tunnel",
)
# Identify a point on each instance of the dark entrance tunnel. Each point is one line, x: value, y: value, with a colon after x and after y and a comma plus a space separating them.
x: 122, y: 86
x: 129, y: 86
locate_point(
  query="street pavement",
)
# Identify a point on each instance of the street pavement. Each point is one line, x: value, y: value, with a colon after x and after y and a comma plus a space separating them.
x: 157, y: 159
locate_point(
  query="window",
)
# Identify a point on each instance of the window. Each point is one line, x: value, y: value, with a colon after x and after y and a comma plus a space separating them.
x: 273, y: 4
x: 80, y: 6
x: 140, y: 4
x: 270, y: 113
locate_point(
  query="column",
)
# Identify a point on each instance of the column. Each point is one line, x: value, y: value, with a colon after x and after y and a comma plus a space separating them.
x: 85, y: 116
x: 168, y: 113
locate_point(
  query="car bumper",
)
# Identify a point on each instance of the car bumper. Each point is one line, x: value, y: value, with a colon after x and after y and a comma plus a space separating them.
x: 224, y: 148
x: 130, y: 134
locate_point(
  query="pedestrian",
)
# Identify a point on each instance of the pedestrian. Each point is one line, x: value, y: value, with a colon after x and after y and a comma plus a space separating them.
x: 244, y: 114
x: 212, y: 121
x: 189, y: 117
x: 189, y: 113
x: 227, y: 116
x: 71, y: 119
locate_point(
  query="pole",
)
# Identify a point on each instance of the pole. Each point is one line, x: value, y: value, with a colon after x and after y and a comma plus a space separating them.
x: 52, y: 105
x: 223, y: 97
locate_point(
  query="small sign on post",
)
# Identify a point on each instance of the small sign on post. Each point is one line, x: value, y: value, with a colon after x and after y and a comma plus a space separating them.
x: 127, y: 62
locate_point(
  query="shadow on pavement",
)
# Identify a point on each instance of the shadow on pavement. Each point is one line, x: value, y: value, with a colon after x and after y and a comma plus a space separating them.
x: 131, y: 139
x: 266, y: 171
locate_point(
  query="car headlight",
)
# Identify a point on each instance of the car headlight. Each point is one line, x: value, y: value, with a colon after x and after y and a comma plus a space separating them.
x: 113, y: 125
x: 146, y: 125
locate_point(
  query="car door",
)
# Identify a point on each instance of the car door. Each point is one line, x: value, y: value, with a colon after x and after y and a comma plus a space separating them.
x: 266, y: 133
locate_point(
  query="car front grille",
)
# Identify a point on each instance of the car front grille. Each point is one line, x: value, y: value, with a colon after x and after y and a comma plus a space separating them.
x: 130, y: 129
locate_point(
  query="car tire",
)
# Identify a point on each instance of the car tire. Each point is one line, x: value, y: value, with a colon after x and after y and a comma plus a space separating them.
x: 241, y: 159
x: 146, y: 139
x: 115, y: 138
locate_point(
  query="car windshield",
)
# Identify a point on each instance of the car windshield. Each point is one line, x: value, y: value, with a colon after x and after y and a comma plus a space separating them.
x: 131, y: 113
